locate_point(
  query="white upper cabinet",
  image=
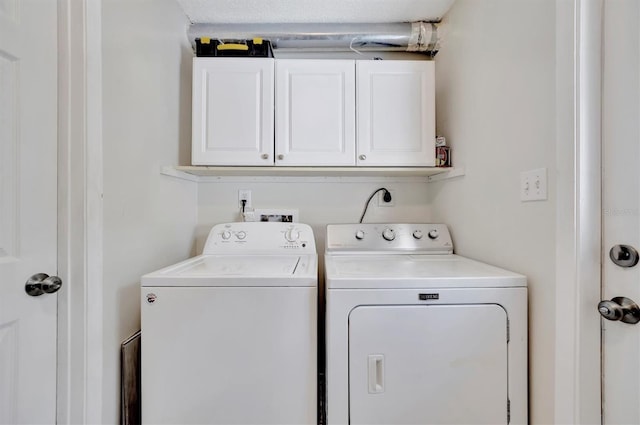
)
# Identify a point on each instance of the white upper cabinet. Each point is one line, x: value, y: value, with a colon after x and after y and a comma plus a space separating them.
x: 315, y: 112
x: 233, y: 111
x: 396, y: 113
x: 328, y: 112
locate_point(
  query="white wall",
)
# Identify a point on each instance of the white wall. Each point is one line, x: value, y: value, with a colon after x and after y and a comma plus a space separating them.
x: 149, y: 219
x: 496, y: 105
x: 319, y: 201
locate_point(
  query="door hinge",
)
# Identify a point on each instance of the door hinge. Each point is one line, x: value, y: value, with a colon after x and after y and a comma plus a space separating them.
x: 508, y: 411
x: 508, y: 332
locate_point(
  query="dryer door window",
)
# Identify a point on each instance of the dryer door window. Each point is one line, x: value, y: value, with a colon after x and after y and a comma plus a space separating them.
x: 428, y: 364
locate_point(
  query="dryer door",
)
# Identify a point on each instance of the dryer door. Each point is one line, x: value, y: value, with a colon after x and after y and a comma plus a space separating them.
x: 428, y: 364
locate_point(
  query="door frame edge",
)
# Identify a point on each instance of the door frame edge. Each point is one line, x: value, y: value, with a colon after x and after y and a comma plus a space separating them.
x: 80, y: 220
x: 578, y: 397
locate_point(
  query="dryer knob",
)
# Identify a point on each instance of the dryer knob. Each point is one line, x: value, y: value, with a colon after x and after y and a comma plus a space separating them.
x: 388, y: 234
x: 226, y: 235
x: 241, y: 234
x: 417, y: 234
x: 359, y: 234
x: 433, y: 234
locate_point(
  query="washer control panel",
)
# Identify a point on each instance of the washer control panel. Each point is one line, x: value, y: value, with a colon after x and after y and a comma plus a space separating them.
x: 389, y: 237
x: 260, y: 237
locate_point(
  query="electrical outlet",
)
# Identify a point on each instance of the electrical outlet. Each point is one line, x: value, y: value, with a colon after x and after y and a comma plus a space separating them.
x: 382, y: 203
x: 244, y: 195
x: 533, y: 185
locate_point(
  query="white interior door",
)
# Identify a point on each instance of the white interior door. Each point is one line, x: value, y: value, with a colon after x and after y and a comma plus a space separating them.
x: 621, y: 202
x: 28, y: 149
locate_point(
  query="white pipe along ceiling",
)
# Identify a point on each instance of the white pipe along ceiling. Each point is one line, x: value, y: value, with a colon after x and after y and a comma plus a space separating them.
x: 407, y: 25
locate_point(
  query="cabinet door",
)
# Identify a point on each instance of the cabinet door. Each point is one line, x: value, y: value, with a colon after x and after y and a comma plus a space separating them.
x: 439, y: 364
x: 232, y: 111
x: 396, y: 113
x: 315, y: 112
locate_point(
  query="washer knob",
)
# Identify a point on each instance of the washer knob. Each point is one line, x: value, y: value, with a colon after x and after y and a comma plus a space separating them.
x: 359, y: 234
x: 292, y: 234
x: 241, y: 234
x: 417, y: 234
x: 388, y: 234
x: 433, y: 234
x: 226, y: 235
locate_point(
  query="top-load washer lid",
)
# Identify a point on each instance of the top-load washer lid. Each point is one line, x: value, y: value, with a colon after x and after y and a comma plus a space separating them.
x: 415, y: 271
x: 238, y: 270
x: 247, y: 254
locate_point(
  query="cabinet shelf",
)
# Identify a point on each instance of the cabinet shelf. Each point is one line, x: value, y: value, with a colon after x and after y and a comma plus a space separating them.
x: 212, y: 173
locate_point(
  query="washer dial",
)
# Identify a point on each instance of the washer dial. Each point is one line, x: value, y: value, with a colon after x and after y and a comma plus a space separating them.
x: 292, y: 234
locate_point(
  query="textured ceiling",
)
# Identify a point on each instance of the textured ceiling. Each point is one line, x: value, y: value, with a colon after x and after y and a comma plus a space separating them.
x: 306, y: 11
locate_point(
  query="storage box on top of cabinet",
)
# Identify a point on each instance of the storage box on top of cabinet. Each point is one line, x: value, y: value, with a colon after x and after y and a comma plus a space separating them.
x: 324, y: 112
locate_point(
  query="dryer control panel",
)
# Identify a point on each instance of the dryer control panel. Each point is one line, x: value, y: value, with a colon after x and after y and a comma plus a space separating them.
x: 424, y: 238
x: 260, y: 238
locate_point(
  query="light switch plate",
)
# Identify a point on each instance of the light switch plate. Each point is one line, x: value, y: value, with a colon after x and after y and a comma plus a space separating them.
x: 533, y: 185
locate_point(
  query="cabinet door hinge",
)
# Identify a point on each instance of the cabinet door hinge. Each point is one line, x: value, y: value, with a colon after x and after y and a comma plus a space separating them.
x: 508, y: 332
x: 508, y: 411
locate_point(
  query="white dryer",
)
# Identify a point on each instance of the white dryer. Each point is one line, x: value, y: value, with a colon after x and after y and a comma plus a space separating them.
x: 229, y: 336
x: 418, y: 335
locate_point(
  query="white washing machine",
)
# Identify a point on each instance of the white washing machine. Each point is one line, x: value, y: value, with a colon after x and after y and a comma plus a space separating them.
x: 418, y: 335
x: 229, y: 336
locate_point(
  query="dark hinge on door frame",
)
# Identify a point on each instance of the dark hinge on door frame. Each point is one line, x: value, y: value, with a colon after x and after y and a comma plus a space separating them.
x: 508, y: 332
x: 508, y: 411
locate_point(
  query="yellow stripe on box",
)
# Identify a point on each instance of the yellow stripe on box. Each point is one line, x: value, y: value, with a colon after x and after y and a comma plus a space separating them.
x: 232, y: 46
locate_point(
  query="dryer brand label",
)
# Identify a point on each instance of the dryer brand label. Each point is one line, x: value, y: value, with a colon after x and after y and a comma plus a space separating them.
x: 425, y: 297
